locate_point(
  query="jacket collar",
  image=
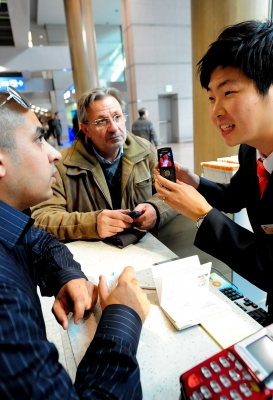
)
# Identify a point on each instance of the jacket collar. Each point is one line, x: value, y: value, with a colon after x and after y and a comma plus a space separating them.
x: 81, y: 153
x: 14, y: 225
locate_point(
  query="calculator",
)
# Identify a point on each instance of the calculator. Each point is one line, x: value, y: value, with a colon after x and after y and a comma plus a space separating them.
x: 242, y: 371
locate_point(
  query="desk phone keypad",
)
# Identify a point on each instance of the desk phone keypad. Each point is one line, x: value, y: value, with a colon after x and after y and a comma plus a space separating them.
x: 222, y: 377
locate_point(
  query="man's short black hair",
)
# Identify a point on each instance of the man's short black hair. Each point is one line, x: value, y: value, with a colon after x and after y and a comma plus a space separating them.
x: 142, y: 111
x: 247, y: 45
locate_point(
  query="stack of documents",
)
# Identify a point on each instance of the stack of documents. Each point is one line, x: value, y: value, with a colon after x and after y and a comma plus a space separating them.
x: 183, y: 292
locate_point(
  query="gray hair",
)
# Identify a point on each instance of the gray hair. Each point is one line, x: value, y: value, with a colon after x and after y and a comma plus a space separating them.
x: 10, y: 119
x: 92, y: 95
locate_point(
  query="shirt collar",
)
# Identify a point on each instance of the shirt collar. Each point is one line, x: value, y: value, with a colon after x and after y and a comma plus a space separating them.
x: 14, y: 225
x: 102, y: 160
x: 267, y: 161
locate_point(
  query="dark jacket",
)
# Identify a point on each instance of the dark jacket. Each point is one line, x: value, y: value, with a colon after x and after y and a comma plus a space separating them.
x: 145, y: 129
x: 250, y: 254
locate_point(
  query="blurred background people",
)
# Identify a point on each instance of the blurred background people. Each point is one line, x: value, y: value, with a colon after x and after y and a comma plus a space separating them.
x: 144, y: 128
x: 58, y: 128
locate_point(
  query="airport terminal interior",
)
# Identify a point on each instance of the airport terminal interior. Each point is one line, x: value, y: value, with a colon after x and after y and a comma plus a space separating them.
x: 145, y: 49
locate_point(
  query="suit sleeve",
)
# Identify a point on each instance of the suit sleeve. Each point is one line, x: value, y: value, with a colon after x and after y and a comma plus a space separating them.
x: 29, y: 367
x: 237, y: 247
x: 53, y: 263
x: 113, y: 371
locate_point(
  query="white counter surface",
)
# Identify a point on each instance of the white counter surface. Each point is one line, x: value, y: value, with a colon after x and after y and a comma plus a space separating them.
x: 163, y: 353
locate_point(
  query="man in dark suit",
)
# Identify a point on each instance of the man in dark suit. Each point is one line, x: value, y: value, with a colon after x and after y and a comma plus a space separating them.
x: 237, y: 72
x: 144, y: 128
x: 58, y: 127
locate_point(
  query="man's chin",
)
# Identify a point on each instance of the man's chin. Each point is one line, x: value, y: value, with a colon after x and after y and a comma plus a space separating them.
x: 46, y: 196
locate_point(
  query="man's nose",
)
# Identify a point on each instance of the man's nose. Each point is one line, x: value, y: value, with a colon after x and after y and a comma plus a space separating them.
x: 217, y: 110
x: 112, y: 125
x: 53, y: 154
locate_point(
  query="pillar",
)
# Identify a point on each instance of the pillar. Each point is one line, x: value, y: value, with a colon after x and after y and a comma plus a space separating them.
x: 208, y: 19
x: 157, y: 46
x: 82, y: 43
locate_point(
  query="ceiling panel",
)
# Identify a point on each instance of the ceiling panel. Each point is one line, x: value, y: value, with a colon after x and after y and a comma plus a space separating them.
x: 104, y: 12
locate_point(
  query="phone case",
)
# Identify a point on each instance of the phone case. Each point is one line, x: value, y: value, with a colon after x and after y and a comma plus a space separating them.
x: 225, y: 376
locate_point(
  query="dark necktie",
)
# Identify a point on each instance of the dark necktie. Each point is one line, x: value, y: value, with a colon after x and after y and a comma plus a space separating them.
x: 263, y: 175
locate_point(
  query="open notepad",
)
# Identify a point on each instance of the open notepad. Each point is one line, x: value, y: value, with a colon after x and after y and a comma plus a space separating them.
x: 183, y: 292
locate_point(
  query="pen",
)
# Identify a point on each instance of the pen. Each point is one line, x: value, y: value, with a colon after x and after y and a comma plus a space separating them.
x: 166, y: 261
x: 148, y: 287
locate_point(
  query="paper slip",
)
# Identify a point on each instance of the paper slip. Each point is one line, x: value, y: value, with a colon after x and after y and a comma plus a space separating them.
x: 228, y: 330
x: 183, y: 292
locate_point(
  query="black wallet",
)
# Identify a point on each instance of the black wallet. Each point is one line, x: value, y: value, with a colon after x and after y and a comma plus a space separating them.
x: 128, y: 236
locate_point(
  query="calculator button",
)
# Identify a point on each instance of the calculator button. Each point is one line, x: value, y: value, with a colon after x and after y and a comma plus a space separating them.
x: 194, y: 380
x: 231, y: 356
x: 225, y: 381
x: 245, y: 390
x: 234, y: 375
x: 247, y: 376
x: 206, y: 372
x: 224, y: 362
x: 223, y: 398
x: 235, y: 395
x: 215, y: 367
x: 215, y: 387
x: 196, y: 396
x: 205, y: 392
x: 238, y: 365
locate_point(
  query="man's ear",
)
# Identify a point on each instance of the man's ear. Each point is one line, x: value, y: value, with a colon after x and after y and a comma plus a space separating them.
x: 2, y: 164
x: 84, y: 128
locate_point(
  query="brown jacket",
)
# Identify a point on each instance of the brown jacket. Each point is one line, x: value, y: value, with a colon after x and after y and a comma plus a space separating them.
x: 81, y: 191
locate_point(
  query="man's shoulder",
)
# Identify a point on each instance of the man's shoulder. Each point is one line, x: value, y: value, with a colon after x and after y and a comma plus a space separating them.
x: 77, y: 155
x: 138, y: 145
x: 140, y: 140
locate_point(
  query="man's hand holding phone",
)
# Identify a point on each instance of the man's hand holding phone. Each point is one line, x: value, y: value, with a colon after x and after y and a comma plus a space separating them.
x: 144, y: 219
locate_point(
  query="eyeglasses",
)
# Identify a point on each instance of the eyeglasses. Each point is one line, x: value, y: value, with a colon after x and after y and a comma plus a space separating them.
x: 18, y: 97
x: 103, y: 122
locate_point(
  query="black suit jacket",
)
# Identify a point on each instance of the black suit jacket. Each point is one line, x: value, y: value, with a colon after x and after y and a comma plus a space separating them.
x: 250, y: 254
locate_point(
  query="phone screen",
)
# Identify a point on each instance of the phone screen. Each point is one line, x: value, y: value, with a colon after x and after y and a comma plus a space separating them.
x: 166, y: 163
x: 166, y: 160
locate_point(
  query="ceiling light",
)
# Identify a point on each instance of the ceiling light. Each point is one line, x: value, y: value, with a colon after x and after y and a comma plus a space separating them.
x: 30, y: 44
x: 41, y: 36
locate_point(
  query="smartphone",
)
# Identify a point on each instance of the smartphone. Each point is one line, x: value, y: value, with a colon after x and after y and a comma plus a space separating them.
x: 166, y: 163
x: 244, y: 370
x: 134, y: 214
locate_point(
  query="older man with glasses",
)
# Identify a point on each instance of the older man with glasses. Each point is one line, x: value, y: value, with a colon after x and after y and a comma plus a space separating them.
x: 106, y: 173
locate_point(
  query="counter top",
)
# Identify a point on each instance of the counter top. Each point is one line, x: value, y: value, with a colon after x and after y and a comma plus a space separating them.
x: 163, y: 353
